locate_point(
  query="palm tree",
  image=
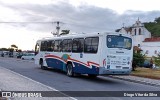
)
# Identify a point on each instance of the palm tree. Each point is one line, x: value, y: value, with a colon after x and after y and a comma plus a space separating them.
x: 14, y: 47
x: 64, y: 32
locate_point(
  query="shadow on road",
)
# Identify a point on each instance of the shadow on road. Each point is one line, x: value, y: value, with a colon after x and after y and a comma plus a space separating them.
x: 98, y: 79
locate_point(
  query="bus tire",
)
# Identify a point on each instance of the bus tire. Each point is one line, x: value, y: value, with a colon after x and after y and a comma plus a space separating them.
x: 92, y: 75
x: 70, y: 72
x: 41, y: 65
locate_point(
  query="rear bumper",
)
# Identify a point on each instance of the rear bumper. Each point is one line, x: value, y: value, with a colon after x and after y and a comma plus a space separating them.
x: 104, y: 71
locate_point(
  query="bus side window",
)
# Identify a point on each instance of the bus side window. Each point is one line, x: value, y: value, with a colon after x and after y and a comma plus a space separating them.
x: 78, y: 45
x: 60, y: 45
x: 67, y: 45
x: 95, y: 42
x: 43, y: 45
x: 52, y: 45
x: 64, y: 45
x: 57, y: 45
x: 49, y: 46
x: 91, y: 44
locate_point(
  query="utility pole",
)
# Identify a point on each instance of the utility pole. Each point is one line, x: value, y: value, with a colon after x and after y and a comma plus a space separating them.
x: 57, y: 28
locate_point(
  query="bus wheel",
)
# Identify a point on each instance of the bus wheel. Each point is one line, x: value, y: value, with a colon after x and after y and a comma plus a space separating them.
x: 70, y: 70
x: 41, y: 64
x: 92, y: 75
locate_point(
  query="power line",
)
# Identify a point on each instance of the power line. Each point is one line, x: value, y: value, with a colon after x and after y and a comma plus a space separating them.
x: 23, y: 22
x: 38, y: 22
x: 52, y: 22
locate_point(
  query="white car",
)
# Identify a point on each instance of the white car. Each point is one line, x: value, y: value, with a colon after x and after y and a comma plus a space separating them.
x: 29, y: 56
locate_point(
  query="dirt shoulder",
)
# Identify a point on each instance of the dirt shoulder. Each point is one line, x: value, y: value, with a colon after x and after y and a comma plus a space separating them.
x: 147, y: 73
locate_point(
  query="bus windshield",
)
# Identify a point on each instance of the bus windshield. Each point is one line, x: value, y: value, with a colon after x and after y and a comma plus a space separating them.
x: 114, y: 41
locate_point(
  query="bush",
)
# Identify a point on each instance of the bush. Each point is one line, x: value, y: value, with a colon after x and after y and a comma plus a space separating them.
x: 157, y: 61
x: 138, y: 60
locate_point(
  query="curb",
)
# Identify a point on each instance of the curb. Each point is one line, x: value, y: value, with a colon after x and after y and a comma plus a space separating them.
x: 136, y: 81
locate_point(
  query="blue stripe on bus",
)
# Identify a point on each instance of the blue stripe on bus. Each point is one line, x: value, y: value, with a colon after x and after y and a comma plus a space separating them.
x: 79, y: 68
x: 55, y: 63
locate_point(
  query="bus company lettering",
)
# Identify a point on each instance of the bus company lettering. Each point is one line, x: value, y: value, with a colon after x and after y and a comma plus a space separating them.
x: 119, y: 52
x: 111, y: 56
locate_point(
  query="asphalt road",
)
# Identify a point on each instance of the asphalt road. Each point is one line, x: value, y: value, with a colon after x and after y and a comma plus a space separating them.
x: 61, y: 82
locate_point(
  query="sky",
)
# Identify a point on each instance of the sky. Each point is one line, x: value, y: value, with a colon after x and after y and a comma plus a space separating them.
x: 78, y: 16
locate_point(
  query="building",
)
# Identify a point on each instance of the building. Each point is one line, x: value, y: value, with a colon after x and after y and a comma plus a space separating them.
x: 142, y: 39
x: 151, y: 47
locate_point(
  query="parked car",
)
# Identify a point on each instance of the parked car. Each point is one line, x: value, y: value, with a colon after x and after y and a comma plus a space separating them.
x: 146, y: 64
x: 10, y: 54
x: 2, y: 55
x: 19, y: 55
x: 29, y: 56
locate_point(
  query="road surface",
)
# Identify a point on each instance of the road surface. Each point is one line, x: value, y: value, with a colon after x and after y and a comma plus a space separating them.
x: 61, y: 82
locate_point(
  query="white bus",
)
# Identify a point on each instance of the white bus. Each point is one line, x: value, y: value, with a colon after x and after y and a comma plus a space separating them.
x: 92, y: 54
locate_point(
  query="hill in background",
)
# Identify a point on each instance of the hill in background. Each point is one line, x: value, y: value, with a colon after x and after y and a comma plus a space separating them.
x: 153, y: 27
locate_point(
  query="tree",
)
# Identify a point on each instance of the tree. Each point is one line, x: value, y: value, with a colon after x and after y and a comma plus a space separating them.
x: 64, y: 32
x: 3, y: 49
x: 14, y: 46
x: 19, y: 50
x: 157, y: 60
x: 10, y: 49
x: 157, y: 20
x: 153, y: 27
x: 138, y: 60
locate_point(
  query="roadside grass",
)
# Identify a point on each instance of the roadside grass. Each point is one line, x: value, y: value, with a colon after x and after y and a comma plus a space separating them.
x: 147, y: 73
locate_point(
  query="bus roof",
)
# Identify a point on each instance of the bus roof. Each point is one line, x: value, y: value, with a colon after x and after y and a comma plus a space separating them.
x: 79, y: 35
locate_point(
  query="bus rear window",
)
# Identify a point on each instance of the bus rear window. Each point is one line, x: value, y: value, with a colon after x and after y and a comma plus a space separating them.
x: 114, y: 41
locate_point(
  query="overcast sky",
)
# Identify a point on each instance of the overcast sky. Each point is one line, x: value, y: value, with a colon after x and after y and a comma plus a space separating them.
x: 77, y: 15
